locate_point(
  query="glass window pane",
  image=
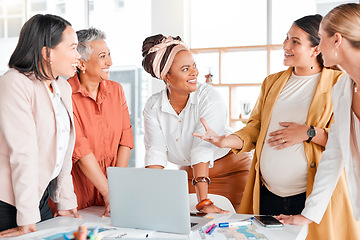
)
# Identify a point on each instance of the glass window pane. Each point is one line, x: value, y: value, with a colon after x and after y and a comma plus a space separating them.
x: 227, y: 23
x: 324, y: 6
x: 38, y: 5
x: 61, y: 9
x: 283, y: 15
x: 15, y: 7
x: 207, y: 63
x: 14, y: 27
x: 131, y: 27
x: 243, y: 67
x: 243, y: 101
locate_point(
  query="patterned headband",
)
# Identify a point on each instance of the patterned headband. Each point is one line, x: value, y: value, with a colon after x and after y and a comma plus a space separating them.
x: 160, y: 50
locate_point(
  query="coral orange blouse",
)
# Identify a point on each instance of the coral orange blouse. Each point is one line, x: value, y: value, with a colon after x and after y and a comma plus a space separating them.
x: 101, y: 127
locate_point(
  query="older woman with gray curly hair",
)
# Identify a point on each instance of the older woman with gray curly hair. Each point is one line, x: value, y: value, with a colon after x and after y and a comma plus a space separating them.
x: 102, y: 122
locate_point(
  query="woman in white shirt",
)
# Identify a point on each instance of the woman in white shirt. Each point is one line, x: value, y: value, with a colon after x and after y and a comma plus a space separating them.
x: 288, y: 128
x: 340, y: 45
x: 172, y: 115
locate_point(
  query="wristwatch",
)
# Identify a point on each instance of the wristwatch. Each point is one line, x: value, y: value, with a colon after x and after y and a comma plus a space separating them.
x: 311, y: 133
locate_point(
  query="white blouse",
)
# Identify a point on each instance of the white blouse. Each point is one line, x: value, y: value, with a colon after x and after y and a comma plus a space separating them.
x: 168, y: 136
x: 342, y: 150
x: 284, y: 172
x: 62, y: 127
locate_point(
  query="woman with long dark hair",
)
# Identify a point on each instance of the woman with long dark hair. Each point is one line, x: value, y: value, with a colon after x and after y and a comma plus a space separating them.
x: 36, y: 126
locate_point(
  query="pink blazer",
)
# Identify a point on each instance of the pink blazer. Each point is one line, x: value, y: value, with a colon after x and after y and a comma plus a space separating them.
x: 28, y: 146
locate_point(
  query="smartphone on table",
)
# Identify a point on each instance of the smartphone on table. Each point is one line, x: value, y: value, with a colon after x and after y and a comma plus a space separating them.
x: 268, y: 221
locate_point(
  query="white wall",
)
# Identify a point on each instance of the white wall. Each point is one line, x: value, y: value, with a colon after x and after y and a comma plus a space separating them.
x: 168, y: 18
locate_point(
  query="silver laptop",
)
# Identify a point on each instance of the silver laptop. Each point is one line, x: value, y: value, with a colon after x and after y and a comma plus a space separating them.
x: 151, y: 199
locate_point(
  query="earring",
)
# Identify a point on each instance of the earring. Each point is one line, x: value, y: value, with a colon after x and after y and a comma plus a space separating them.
x: 312, y: 67
x: 83, y: 71
x: 50, y: 62
x: 335, y: 54
x: 168, y: 87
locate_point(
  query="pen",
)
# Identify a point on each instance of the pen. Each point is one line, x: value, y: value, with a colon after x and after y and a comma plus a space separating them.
x: 96, y: 231
x: 211, y: 227
x: 212, y: 230
x: 226, y: 224
x: 65, y: 237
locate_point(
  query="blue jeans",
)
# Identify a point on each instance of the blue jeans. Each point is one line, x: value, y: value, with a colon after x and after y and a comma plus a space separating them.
x: 272, y: 204
x: 8, y: 212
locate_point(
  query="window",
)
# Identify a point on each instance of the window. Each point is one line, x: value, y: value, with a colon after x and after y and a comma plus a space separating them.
x: 240, y: 43
x: 227, y: 23
x: 12, y: 15
x: 38, y: 5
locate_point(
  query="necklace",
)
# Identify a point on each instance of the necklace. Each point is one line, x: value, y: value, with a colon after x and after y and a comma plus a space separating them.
x: 175, y: 109
x: 178, y: 111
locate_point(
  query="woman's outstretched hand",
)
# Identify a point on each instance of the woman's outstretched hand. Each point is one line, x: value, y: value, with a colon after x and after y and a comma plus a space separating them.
x: 210, y: 136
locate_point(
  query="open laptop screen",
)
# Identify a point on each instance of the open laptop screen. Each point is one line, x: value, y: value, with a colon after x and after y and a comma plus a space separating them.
x: 149, y: 199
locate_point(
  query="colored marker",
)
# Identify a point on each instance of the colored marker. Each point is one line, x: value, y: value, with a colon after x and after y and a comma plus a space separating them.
x: 211, y: 227
x: 96, y: 231
x: 212, y: 230
x: 233, y: 224
x: 65, y: 237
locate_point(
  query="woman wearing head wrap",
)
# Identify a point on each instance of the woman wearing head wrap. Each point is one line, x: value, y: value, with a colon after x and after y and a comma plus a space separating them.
x: 288, y: 128
x: 172, y: 115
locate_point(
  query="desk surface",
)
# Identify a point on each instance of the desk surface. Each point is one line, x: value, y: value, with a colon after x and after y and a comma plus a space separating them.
x: 93, y: 215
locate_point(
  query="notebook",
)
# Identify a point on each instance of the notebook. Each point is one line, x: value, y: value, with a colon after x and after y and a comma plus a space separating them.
x: 152, y: 199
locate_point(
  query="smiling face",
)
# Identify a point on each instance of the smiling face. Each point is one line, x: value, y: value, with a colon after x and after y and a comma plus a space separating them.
x: 98, y: 65
x: 298, y: 52
x: 182, y: 77
x: 64, y: 57
x: 327, y: 48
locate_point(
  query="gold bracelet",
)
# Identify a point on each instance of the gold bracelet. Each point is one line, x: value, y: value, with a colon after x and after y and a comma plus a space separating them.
x: 200, y: 179
x: 203, y: 203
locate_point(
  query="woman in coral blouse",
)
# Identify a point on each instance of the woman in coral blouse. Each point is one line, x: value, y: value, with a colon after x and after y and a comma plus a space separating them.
x: 102, y: 123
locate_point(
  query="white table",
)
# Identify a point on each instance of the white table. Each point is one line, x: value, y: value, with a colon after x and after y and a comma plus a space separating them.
x: 93, y: 215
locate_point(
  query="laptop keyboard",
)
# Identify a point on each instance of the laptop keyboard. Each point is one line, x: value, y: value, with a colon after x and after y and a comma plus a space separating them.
x: 193, y: 224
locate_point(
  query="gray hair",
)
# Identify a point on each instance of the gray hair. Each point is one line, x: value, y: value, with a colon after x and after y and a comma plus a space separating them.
x: 86, y: 36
